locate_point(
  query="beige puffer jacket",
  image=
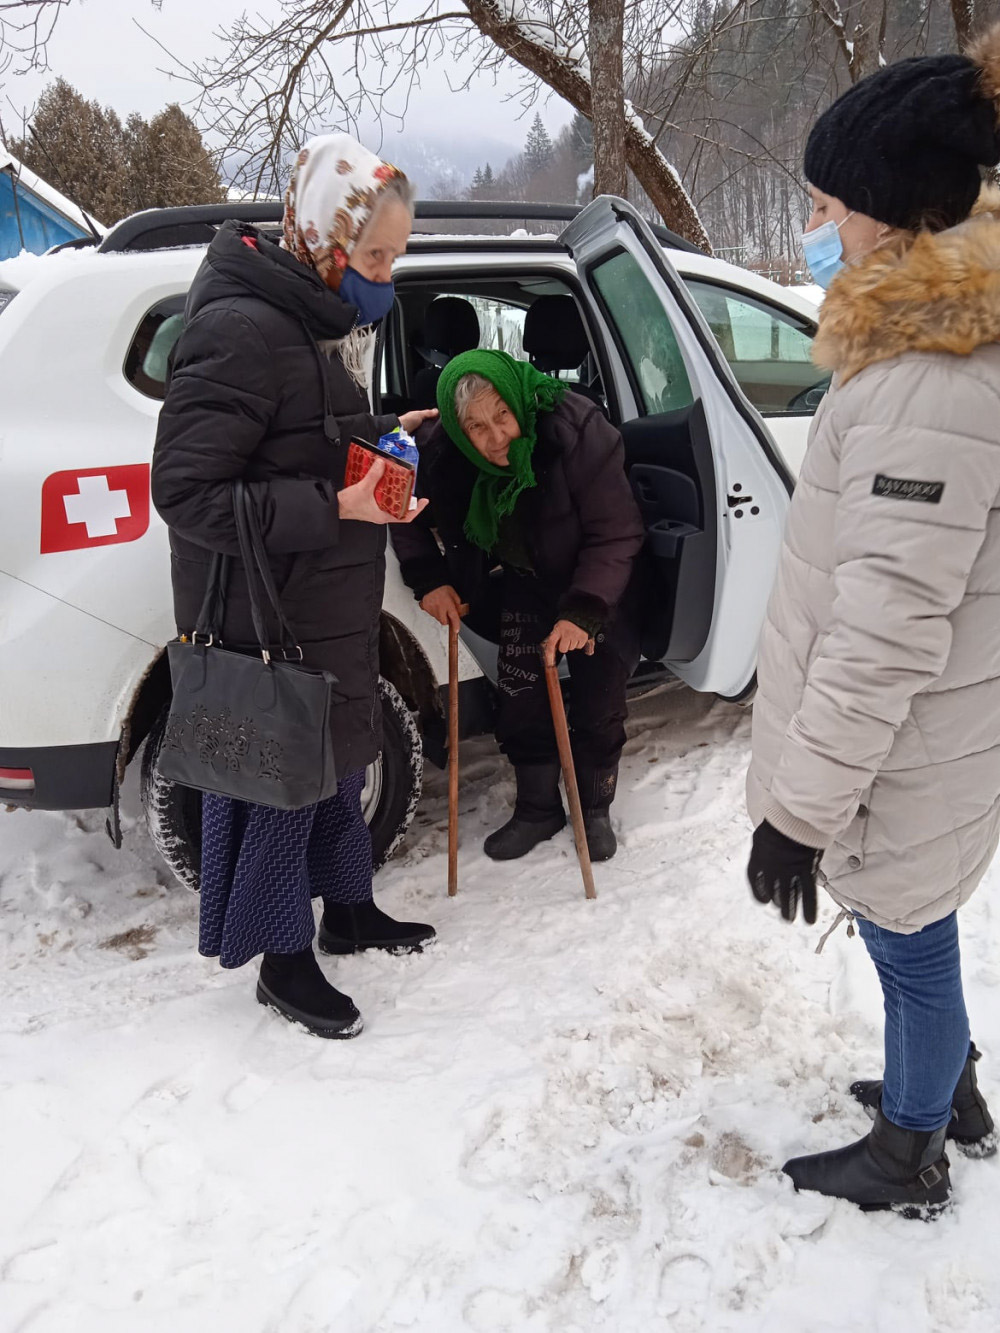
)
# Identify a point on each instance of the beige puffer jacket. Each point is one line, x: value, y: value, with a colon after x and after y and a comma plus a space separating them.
x: 876, y: 728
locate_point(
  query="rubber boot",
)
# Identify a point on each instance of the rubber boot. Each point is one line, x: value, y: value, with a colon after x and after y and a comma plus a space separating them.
x: 538, y: 814
x: 971, y: 1129
x: 294, y: 986
x: 597, y: 791
x: 356, y: 927
x: 902, y: 1169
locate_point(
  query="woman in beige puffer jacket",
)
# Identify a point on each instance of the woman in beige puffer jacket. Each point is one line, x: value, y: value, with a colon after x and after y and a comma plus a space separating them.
x: 876, y: 733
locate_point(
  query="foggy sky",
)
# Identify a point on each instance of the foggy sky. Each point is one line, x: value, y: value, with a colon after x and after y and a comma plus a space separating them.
x: 99, y: 49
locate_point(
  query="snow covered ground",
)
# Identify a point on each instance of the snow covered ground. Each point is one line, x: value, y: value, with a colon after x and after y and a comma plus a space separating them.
x: 564, y: 1116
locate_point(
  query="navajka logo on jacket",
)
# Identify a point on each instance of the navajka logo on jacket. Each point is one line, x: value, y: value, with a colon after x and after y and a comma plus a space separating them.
x: 899, y: 488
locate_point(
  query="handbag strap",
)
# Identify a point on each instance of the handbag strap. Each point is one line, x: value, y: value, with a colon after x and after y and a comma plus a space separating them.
x: 213, y: 608
x: 254, y: 556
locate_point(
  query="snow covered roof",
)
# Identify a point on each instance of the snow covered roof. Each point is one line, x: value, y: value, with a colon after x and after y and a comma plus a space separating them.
x: 47, y: 193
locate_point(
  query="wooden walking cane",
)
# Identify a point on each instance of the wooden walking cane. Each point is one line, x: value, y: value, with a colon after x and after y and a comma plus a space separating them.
x: 453, y: 755
x: 569, y: 774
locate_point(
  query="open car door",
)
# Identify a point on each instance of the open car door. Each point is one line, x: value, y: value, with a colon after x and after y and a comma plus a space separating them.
x: 711, y: 486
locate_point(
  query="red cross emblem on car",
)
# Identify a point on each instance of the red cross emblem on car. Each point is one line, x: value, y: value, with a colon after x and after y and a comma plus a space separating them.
x: 94, y: 507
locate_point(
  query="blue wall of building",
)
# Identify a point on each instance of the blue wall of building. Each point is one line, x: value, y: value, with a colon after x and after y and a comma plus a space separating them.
x: 28, y: 223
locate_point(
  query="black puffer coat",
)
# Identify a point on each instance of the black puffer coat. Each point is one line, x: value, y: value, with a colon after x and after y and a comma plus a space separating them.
x: 247, y: 399
x: 580, y: 523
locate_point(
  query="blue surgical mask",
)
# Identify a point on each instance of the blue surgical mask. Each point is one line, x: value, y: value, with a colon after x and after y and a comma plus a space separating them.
x: 824, y: 251
x: 373, y: 299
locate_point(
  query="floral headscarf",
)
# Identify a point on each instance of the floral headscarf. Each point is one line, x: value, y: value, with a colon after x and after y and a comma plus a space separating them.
x: 333, y: 191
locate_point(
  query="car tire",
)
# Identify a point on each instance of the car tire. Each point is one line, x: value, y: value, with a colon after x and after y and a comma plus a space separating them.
x: 745, y: 698
x: 393, y: 784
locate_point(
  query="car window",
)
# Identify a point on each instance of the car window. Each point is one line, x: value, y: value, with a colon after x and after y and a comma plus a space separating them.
x: 645, y: 332
x: 147, y: 359
x: 501, y: 324
x: 769, y: 350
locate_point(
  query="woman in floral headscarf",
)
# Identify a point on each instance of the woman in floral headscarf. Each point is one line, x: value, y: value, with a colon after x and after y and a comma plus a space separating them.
x: 269, y: 384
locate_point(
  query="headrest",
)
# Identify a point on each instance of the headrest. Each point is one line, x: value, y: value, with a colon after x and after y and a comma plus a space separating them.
x: 451, y: 325
x: 554, y: 336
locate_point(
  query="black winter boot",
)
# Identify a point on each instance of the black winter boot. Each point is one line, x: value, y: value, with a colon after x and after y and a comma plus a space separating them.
x: 902, y: 1169
x: 601, y: 841
x: 293, y: 984
x: 538, y: 814
x: 971, y: 1129
x: 352, y: 928
x: 597, y: 791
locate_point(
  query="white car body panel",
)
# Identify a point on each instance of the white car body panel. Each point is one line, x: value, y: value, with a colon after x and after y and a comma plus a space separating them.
x: 79, y: 629
x: 112, y: 602
x: 68, y: 677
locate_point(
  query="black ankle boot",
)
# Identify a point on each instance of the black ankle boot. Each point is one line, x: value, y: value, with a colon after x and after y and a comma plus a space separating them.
x: 293, y: 984
x: 352, y: 928
x: 971, y: 1129
x: 538, y: 814
x: 902, y: 1169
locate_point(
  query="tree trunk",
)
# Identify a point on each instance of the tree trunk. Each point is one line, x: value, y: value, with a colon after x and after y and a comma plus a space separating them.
x: 653, y: 172
x: 963, y: 12
x: 605, y: 41
x: 868, y: 37
x: 861, y: 37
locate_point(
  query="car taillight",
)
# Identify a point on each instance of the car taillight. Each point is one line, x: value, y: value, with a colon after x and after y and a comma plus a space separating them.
x: 17, y: 779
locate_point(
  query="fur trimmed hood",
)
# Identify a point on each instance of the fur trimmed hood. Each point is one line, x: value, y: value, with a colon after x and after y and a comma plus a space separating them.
x: 932, y: 292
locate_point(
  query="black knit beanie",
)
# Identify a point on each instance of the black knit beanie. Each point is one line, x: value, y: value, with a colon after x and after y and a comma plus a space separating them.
x: 906, y: 144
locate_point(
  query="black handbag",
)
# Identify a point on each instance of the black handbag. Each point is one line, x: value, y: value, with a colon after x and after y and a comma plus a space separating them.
x: 243, y: 725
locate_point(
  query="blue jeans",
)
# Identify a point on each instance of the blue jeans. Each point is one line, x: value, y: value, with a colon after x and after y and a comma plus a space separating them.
x: 926, y: 1025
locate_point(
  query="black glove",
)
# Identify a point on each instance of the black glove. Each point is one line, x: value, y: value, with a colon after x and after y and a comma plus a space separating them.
x: 782, y: 871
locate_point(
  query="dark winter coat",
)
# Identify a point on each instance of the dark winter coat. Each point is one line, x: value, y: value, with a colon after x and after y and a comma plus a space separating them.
x: 247, y: 399
x: 580, y: 523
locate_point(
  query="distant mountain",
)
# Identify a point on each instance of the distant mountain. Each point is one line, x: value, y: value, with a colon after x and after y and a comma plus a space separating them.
x: 428, y: 159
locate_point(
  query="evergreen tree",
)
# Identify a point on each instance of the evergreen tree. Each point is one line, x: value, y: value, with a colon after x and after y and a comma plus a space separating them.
x: 483, y: 183
x: 537, y: 148
x: 488, y: 188
x: 112, y: 170
x: 168, y: 164
x: 581, y: 140
x: 79, y: 148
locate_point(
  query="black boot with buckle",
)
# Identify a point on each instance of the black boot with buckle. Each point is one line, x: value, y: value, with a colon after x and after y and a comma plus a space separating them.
x: 902, y: 1169
x: 971, y: 1129
x: 538, y: 813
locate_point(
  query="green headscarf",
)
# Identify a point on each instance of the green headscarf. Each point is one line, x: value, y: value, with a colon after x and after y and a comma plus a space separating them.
x: 526, y: 391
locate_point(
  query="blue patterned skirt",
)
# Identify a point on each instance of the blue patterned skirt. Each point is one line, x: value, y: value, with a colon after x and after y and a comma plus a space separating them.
x: 261, y: 869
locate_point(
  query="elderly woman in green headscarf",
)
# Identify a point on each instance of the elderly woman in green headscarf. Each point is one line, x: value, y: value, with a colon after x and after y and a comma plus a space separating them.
x: 524, y: 474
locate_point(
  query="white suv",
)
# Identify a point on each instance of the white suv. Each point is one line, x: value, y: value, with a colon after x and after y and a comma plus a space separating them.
x: 704, y: 368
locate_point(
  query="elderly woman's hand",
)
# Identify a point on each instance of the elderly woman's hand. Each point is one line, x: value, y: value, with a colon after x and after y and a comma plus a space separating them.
x: 445, y: 605
x: 358, y: 502
x: 412, y: 421
x: 566, y: 637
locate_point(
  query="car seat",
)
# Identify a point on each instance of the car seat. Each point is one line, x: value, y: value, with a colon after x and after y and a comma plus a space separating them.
x: 555, y: 340
x: 451, y: 325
